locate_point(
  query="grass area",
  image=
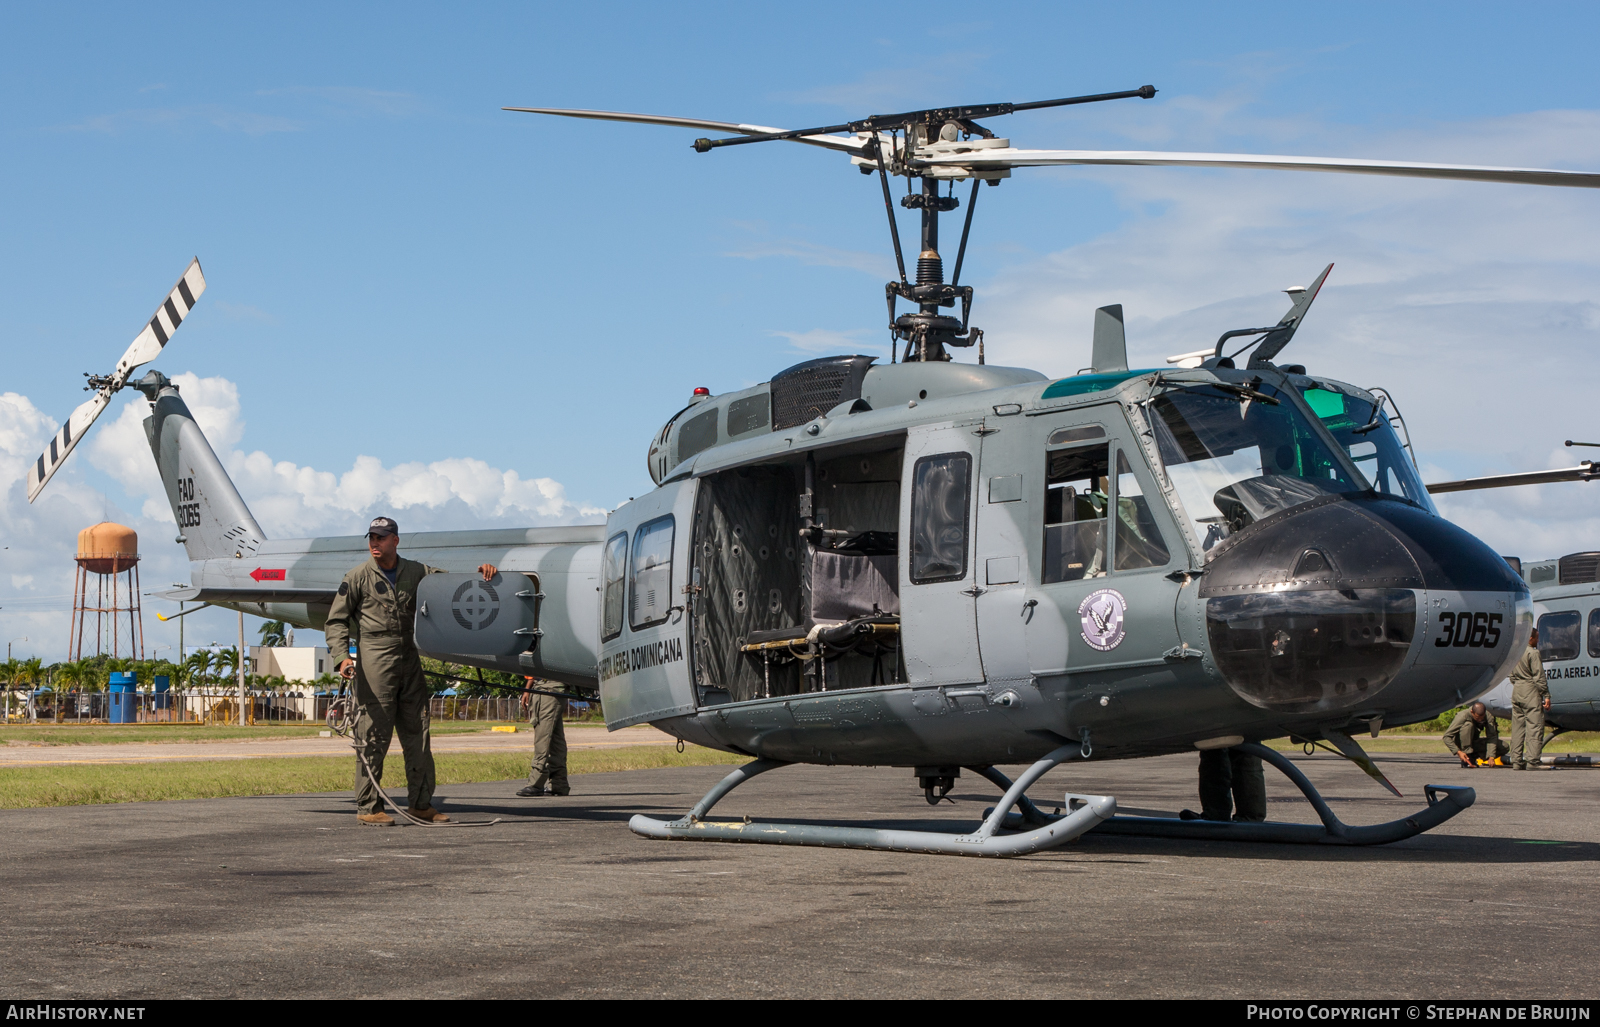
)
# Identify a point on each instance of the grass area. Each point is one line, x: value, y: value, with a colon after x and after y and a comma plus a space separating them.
x: 1575, y: 741
x: 113, y: 734
x: 27, y: 787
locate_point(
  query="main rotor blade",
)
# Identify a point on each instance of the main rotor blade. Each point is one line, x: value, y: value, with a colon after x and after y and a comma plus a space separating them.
x: 1585, y: 471
x: 147, y: 345
x: 843, y: 143
x: 64, y: 442
x: 1014, y: 158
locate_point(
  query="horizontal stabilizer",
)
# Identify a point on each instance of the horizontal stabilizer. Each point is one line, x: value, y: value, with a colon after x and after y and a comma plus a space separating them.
x: 246, y: 595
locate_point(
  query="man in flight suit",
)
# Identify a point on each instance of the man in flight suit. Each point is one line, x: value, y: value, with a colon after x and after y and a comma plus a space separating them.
x: 1530, y: 697
x: 549, y: 746
x: 377, y: 602
x: 1474, y: 736
x: 1232, y: 786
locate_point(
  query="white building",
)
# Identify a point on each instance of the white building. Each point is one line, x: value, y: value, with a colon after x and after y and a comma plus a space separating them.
x: 291, y: 663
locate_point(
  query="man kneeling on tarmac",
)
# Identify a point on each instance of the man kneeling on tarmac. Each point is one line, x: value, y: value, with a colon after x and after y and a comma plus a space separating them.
x: 1475, y: 738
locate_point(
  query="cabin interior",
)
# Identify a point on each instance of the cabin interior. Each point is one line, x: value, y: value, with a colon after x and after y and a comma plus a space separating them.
x: 791, y: 596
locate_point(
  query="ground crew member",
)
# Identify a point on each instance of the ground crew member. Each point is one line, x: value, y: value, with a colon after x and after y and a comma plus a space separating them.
x: 549, y: 746
x: 377, y: 603
x: 1232, y: 787
x: 1474, y: 735
x: 1530, y: 697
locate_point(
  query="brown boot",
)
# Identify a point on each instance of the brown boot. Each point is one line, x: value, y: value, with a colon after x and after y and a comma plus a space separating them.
x: 378, y: 819
x: 430, y: 815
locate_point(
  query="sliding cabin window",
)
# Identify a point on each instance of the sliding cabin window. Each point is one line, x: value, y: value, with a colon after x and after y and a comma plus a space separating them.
x: 941, y: 498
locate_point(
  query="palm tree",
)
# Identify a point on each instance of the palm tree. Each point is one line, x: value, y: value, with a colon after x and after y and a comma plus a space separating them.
x: 227, y: 662
x: 274, y: 633
x: 198, y: 666
x: 9, y: 669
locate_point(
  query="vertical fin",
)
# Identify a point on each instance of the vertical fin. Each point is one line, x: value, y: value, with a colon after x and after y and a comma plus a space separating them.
x: 213, y: 520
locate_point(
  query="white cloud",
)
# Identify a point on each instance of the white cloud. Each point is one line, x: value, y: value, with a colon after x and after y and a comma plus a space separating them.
x: 288, y: 499
x: 828, y: 340
x: 1475, y: 304
x: 294, y: 501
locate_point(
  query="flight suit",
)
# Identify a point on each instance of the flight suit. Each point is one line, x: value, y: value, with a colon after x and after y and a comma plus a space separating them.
x: 1529, y: 690
x: 390, y: 689
x: 549, y: 745
x: 1232, y: 786
x: 1480, y: 741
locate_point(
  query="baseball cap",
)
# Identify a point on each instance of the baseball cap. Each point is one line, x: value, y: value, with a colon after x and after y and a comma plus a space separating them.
x: 383, y: 526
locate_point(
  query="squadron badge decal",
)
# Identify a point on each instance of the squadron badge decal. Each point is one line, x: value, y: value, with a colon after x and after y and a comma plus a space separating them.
x: 1102, y: 615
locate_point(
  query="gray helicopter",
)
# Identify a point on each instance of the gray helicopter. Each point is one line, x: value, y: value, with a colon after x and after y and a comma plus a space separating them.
x: 1566, y: 597
x: 945, y: 565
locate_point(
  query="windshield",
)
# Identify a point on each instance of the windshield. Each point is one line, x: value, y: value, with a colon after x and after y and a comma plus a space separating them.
x: 1236, y: 458
x: 1377, y: 453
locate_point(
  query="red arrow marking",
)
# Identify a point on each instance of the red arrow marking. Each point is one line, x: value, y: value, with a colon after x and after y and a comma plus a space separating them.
x: 263, y: 574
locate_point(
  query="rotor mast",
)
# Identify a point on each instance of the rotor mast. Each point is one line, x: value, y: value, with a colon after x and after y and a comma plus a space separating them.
x: 896, y: 142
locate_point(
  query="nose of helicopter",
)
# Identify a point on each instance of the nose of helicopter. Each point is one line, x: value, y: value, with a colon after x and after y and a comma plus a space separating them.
x: 1322, y: 607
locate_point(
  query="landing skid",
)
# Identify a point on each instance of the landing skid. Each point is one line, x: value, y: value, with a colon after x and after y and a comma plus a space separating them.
x: 1444, y: 802
x: 1087, y: 811
x: 1004, y: 833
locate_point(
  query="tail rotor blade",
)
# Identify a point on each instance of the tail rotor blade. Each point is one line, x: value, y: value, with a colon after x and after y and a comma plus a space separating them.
x: 146, y: 346
x: 172, y: 312
x: 64, y: 442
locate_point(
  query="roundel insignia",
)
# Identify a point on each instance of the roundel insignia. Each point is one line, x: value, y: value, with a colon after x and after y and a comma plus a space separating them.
x: 475, y: 604
x: 1103, y: 613
x: 344, y: 588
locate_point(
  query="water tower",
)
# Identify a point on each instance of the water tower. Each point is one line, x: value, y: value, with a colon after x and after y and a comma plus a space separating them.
x: 108, y: 587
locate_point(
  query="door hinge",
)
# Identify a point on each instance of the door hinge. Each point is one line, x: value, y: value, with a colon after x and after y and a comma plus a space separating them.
x: 975, y: 591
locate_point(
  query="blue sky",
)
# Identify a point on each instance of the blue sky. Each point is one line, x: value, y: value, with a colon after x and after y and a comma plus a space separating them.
x: 469, y: 317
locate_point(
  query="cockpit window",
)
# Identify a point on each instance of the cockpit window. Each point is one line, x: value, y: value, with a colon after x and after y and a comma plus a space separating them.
x: 1236, y: 457
x: 1377, y: 453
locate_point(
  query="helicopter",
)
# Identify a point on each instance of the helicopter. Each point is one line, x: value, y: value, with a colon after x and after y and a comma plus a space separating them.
x: 950, y: 566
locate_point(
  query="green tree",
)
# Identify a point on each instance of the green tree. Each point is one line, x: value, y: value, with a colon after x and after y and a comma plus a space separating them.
x: 227, y: 664
x: 198, y: 668
x: 274, y: 633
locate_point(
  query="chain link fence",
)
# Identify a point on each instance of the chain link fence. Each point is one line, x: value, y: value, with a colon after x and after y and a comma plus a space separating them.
x: 220, y: 707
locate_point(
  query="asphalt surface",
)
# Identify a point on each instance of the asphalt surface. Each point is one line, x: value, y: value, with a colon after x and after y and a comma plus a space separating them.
x: 288, y: 896
x: 21, y: 754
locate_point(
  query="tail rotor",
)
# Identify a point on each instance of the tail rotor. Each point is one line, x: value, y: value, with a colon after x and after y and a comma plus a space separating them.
x: 146, y: 346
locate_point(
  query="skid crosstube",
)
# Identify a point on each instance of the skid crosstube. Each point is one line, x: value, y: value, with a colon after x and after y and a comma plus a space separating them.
x: 1086, y: 811
x: 1004, y: 833
x: 1444, y: 802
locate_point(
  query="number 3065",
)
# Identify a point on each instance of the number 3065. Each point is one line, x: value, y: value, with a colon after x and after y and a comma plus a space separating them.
x: 1470, y: 630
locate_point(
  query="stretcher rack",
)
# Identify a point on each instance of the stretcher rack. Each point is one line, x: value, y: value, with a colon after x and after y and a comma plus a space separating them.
x: 821, y: 641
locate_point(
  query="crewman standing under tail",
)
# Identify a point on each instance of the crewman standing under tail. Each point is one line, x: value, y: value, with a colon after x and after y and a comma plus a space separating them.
x: 377, y: 603
x: 549, y: 746
x: 1530, y: 698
